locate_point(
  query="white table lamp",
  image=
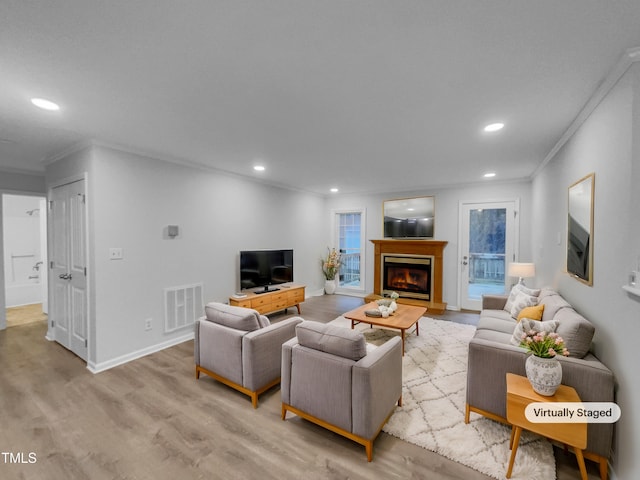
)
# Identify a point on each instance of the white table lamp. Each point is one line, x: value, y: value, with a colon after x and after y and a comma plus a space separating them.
x: 522, y: 270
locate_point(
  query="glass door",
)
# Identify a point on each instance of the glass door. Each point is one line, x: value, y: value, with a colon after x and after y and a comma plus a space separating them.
x: 487, y: 246
x: 349, y: 233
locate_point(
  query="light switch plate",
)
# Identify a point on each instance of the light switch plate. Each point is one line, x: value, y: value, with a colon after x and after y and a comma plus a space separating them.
x: 115, y: 254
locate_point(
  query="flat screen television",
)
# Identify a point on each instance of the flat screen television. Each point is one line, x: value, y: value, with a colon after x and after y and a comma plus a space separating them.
x: 260, y: 269
x: 409, y: 217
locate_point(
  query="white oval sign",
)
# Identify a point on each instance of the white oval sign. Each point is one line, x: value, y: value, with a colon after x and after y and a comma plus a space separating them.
x: 572, y: 412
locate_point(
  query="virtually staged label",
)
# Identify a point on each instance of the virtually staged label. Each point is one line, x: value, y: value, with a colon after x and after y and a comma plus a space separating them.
x: 572, y: 412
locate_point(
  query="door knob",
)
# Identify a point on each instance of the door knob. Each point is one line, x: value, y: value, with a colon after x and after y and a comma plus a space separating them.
x: 65, y: 276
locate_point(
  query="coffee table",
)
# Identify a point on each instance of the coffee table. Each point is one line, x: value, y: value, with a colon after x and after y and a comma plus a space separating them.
x: 405, y: 317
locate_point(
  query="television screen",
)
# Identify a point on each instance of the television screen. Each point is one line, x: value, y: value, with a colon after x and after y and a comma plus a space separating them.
x: 262, y: 268
x: 409, y: 217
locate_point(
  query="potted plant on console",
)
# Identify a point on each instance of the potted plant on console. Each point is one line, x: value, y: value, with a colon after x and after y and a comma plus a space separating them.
x: 330, y: 267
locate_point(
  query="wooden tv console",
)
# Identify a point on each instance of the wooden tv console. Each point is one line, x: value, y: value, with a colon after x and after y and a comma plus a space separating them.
x: 287, y: 296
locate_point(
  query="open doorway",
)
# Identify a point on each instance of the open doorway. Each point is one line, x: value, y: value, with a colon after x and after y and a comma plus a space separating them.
x: 25, y: 258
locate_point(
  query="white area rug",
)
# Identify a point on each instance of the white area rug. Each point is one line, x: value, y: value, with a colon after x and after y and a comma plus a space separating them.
x: 433, y: 403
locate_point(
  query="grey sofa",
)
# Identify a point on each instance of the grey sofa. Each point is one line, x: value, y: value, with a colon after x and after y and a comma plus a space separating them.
x: 240, y: 348
x: 330, y: 378
x: 492, y: 355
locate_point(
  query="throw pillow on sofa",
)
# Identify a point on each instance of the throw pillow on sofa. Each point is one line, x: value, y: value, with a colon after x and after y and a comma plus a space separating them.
x: 522, y: 301
x: 532, y: 313
x: 519, y: 288
x: 526, y: 325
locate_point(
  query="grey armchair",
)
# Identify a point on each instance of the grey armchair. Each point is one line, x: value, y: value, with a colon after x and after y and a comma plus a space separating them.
x: 240, y: 348
x: 330, y: 379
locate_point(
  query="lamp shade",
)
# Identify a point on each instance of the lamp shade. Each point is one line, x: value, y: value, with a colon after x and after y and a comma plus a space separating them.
x: 522, y: 270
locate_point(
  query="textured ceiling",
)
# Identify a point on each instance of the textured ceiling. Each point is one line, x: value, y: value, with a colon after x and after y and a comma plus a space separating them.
x: 363, y: 95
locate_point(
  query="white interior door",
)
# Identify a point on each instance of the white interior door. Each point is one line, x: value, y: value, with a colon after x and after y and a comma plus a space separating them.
x: 487, y: 245
x: 68, y: 275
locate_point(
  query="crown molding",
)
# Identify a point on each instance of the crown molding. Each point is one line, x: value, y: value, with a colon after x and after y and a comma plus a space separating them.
x: 630, y: 56
x: 74, y: 148
x: 94, y: 143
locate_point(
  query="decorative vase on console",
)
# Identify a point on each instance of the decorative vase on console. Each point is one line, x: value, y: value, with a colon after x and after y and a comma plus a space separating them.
x: 330, y: 286
x: 330, y: 267
x: 543, y: 369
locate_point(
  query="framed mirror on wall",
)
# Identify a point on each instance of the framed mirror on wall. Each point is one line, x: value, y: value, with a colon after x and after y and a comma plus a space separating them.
x: 409, y: 217
x: 580, y: 229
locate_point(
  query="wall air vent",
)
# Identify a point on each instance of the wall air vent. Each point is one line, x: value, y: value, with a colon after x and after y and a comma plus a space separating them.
x: 182, y: 306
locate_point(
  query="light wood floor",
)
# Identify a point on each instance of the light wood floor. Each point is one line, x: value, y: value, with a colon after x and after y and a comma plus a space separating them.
x: 150, y: 419
x: 25, y: 314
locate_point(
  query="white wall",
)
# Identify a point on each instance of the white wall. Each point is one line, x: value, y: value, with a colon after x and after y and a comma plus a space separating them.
x: 13, y: 182
x: 608, y: 144
x: 131, y: 201
x: 447, y: 206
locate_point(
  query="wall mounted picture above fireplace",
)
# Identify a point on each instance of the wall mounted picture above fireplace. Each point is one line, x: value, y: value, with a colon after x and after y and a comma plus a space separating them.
x: 409, y: 217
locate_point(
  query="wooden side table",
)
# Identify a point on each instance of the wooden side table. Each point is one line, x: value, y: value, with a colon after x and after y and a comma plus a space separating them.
x: 519, y: 395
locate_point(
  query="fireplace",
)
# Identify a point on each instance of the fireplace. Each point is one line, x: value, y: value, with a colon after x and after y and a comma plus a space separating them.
x: 408, y: 275
x: 414, y: 269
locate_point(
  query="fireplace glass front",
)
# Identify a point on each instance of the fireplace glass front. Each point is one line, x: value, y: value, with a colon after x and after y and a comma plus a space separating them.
x: 409, y: 276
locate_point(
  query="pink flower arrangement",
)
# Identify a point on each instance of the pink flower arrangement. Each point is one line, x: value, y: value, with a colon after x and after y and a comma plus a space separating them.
x: 543, y: 344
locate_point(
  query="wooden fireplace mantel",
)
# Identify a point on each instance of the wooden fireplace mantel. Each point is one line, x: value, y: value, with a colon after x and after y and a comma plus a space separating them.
x: 432, y: 248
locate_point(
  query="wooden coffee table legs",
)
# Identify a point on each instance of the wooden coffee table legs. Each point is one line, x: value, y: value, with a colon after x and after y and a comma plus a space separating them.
x: 405, y: 317
x: 402, y: 330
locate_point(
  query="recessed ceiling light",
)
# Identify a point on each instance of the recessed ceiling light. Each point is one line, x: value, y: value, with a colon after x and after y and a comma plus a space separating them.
x: 489, y: 175
x: 259, y: 168
x: 494, y: 127
x: 45, y: 104
x: 334, y: 190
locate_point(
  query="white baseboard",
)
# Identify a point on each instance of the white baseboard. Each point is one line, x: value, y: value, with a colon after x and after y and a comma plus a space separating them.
x: 350, y: 293
x: 102, y: 366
